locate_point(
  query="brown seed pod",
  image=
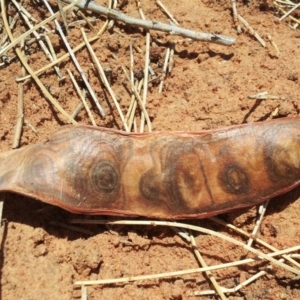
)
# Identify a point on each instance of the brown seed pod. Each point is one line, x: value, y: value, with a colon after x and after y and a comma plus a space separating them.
x: 171, y: 175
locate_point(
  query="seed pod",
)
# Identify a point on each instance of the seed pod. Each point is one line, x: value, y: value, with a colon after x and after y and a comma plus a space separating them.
x: 171, y: 175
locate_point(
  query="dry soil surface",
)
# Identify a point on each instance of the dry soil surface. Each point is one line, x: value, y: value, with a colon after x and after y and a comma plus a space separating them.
x: 207, y: 89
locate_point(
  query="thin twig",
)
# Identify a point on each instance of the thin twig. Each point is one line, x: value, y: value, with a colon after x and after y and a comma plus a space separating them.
x: 75, y: 61
x: 81, y: 14
x: 164, y: 71
x: 154, y: 25
x: 251, y: 30
x: 265, y: 96
x: 171, y: 59
x: 274, y: 45
x: 162, y: 6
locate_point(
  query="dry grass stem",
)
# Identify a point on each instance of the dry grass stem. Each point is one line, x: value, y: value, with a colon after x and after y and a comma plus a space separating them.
x: 261, y: 210
x: 30, y: 31
x: 37, y: 35
x: 231, y: 290
x: 31, y: 127
x: 30, y: 71
x: 259, y: 254
x: 274, y: 45
x: 133, y: 105
x: 76, y: 63
x: 251, y: 30
x: 80, y: 94
x: 290, y: 11
x: 84, y: 293
x: 169, y: 274
x: 78, y: 108
x: 1, y: 212
x: 154, y: 25
x: 265, y: 96
x: 63, y: 15
x: 103, y: 78
x: 257, y: 240
x: 208, y: 273
x: 53, y: 54
x: 63, y: 57
x: 5, y: 36
x: 87, y: 20
x: 20, y: 113
x: 112, y: 4
x: 146, y: 68
x: 235, y: 16
x: 171, y: 59
x: 166, y: 11
x: 137, y: 95
x: 164, y: 71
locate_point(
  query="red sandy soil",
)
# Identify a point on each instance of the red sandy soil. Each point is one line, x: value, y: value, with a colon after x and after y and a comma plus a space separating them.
x: 207, y: 89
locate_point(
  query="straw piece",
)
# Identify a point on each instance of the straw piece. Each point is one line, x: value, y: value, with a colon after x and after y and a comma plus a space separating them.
x: 48, y: 41
x: 78, y: 108
x: 164, y: 71
x: 251, y: 30
x: 162, y: 6
x: 262, y: 210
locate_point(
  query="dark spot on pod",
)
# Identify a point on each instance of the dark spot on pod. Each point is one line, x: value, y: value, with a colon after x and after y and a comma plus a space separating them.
x: 282, y: 160
x: 151, y: 186
x: 39, y: 172
x: 104, y: 177
x: 234, y: 179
